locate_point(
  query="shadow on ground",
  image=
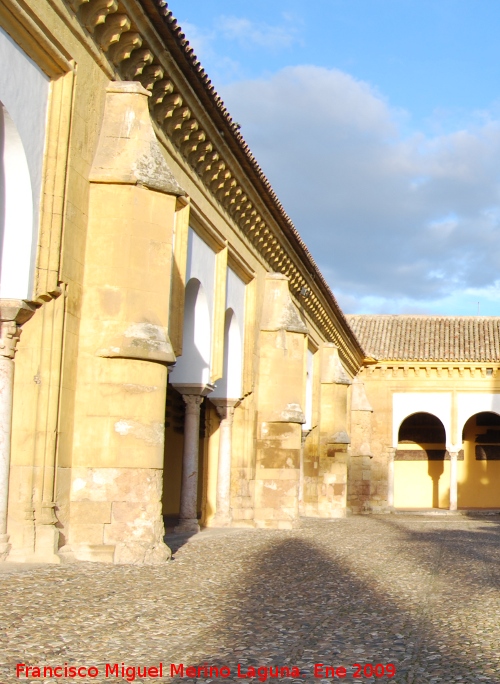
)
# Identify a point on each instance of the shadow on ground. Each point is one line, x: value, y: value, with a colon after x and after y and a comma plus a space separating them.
x: 300, y: 604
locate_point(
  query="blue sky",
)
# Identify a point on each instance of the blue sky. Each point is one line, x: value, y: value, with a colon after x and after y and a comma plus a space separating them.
x: 378, y: 124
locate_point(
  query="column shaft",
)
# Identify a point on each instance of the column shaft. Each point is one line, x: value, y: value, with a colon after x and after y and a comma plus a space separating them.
x: 390, y: 477
x: 225, y: 409
x: 453, y: 480
x: 13, y: 313
x: 6, y: 391
x: 189, y: 493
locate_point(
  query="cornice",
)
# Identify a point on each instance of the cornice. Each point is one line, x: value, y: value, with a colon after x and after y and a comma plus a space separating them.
x: 132, y: 36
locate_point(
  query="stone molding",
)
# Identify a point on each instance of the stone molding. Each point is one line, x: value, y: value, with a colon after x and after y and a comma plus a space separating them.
x: 419, y: 370
x: 133, y: 57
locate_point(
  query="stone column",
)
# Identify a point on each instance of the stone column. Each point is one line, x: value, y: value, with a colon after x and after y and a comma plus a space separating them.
x: 391, y: 452
x: 225, y: 409
x: 453, y: 480
x: 192, y: 396
x: 13, y: 313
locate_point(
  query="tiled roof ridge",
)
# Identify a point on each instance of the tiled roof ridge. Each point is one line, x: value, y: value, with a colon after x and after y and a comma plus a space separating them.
x: 421, y: 316
x: 420, y: 337
x: 176, y: 31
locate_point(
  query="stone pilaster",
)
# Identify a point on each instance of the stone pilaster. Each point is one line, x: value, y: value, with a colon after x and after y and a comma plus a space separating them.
x: 281, y: 393
x: 13, y: 313
x: 123, y: 347
x: 360, y: 454
x: 334, y: 436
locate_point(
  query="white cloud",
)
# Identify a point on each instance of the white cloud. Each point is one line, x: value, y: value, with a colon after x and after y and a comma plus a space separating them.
x: 246, y: 34
x: 257, y: 34
x: 395, y: 223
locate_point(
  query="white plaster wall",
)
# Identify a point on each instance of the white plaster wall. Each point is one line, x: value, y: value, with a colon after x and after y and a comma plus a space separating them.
x: 24, y: 90
x: 405, y: 404
x: 230, y: 385
x: 16, y: 213
x: 194, y: 364
x: 193, y: 367
x: 235, y: 296
x: 468, y: 404
x: 201, y: 265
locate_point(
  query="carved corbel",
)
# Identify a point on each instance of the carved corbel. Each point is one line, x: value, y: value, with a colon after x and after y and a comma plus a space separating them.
x: 134, y: 65
x: 150, y: 75
x: 95, y: 12
x: 109, y: 33
x: 76, y: 4
x: 167, y: 107
x: 207, y: 163
x: 129, y: 41
x: 177, y: 118
x: 183, y: 134
x: 201, y: 150
x: 193, y: 143
x: 242, y: 208
x: 160, y: 90
x: 218, y: 183
x: 233, y: 196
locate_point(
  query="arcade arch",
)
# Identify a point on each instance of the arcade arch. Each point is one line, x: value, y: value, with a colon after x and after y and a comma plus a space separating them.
x: 478, y: 478
x: 421, y: 468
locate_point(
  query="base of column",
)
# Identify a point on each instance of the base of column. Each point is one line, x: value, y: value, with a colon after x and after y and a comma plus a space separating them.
x: 187, y: 525
x: 221, y: 520
x: 4, y: 547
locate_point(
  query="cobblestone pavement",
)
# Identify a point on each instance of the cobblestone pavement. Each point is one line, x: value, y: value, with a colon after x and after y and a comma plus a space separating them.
x: 422, y: 593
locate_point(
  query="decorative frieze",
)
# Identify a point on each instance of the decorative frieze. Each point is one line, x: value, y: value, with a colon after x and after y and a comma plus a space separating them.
x: 417, y: 371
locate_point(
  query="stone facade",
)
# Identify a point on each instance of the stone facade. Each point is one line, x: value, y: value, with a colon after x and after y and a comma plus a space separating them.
x: 182, y: 359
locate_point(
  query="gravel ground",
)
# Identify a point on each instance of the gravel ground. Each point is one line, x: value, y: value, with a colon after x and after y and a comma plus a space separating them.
x: 420, y: 593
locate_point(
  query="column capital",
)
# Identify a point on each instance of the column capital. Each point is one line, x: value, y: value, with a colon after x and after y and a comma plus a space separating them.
x: 13, y: 314
x: 225, y: 408
x: 192, y: 401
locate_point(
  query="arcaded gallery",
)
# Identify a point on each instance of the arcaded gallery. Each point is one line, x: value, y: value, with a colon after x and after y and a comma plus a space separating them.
x: 171, y: 356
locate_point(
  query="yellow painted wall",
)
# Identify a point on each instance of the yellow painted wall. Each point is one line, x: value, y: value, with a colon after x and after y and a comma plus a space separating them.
x: 422, y: 484
x: 478, y: 481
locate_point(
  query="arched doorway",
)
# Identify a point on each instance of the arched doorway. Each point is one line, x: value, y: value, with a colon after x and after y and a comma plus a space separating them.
x: 192, y: 368
x: 479, y: 480
x: 421, y: 468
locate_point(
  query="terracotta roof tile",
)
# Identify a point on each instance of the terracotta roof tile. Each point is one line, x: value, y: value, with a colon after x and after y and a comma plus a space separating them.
x: 428, y: 338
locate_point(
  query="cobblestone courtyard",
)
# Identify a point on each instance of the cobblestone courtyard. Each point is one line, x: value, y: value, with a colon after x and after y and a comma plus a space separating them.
x: 422, y: 593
